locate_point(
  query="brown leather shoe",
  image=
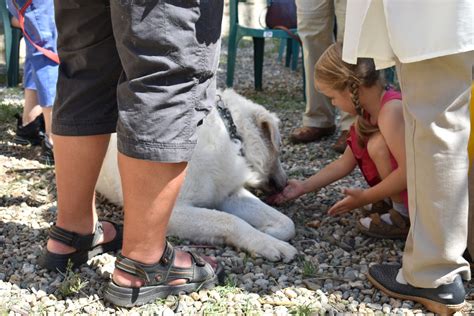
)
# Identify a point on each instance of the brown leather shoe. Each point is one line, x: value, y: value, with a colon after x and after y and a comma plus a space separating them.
x: 308, y: 134
x: 341, y: 142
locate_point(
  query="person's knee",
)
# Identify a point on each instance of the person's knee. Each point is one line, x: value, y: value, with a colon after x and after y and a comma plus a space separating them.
x: 377, y: 148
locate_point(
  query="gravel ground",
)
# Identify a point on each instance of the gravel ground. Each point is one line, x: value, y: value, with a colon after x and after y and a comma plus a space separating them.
x: 327, y: 277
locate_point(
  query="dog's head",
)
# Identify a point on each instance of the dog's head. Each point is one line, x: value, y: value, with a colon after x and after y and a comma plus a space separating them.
x: 261, y: 141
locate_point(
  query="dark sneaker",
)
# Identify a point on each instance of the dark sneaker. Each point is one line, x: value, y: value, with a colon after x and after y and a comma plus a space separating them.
x: 445, y: 299
x: 47, y: 155
x: 30, y: 134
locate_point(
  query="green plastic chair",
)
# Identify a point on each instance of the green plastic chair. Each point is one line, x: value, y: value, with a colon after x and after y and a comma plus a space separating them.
x: 237, y: 31
x: 292, y: 50
x: 12, y: 37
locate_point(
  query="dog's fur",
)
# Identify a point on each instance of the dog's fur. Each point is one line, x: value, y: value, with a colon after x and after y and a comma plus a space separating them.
x: 213, y: 206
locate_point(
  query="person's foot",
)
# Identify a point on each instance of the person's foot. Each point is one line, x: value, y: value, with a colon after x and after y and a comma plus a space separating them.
x: 31, y: 133
x: 308, y: 134
x: 182, y: 260
x: 380, y: 207
x: 135, y: 283
x: 57, y: 247
x: 445, y: 299
x: 341, y: 142
x: 392, y: 225
x: 47, y: 155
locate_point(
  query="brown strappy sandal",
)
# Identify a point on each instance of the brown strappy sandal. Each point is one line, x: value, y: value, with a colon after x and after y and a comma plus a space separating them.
x: 379, y: 229
x: 380, y: 207
x: 157, y: 278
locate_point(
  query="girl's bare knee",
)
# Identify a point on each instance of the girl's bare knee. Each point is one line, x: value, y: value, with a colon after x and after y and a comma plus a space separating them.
x: 377, y: 147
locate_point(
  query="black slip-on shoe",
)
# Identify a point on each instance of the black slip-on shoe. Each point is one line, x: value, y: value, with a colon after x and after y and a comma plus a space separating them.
x: 445, y: 299
x: 30, y: 134
x: 47, y: 153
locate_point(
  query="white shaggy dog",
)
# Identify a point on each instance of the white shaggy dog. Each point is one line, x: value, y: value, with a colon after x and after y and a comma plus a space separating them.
x: 213, y: 206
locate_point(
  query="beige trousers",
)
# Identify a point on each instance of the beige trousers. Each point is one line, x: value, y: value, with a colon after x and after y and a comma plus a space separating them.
x: 436, y: 96
x: 315, y: 28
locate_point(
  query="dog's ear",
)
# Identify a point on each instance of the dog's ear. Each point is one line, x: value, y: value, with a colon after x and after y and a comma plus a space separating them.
x: 268, y: 124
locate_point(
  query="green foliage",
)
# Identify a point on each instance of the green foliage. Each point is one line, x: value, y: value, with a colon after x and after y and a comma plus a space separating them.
x: 309, y: 269
x: 303, y: 310
x: 278, y: 99
x: 9, y: 105
x: 72, y: 283
x: 230, y: 282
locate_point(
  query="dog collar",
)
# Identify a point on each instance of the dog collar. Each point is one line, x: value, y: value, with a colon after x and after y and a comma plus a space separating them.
x: 229, y: 123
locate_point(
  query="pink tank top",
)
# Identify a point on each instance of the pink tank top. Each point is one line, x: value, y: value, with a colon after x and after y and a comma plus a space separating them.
x: 366, y: 165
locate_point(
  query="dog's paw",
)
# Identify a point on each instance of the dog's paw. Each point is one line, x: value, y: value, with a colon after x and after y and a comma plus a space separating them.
x: 283, y: 230
x: 275, y: 250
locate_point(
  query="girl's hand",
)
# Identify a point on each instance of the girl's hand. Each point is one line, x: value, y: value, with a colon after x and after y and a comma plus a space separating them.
x: 293, y: 189
x: 354, y: 199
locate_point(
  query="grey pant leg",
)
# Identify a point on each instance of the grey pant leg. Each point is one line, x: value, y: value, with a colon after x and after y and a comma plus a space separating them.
x: 86, y: 100
x: 169, y: 52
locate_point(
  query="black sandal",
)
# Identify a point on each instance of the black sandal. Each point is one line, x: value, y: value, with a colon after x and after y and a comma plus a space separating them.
x: 86, y: 247
x: 157, y: 278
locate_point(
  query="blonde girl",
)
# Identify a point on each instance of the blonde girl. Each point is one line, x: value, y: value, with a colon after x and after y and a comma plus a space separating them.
x: 376, y: 143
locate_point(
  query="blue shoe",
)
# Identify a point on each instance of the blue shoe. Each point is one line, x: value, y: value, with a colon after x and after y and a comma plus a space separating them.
x: 445, y: 300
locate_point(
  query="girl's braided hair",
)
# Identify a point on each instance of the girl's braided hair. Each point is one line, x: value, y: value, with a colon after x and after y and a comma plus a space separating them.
x: 334, y: 72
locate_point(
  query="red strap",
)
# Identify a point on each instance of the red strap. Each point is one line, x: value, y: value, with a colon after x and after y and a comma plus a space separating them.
x: 290, y: 33
x: 21, y: 18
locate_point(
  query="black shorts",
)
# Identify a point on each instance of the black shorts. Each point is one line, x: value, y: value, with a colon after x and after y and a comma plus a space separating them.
x: 143, y: 68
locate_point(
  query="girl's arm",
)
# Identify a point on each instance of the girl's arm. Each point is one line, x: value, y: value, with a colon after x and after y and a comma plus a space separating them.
x: 332, y: 172
x: 392, y: 128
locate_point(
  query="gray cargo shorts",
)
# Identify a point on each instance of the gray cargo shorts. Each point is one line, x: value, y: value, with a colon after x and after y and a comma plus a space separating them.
x: 143, y: 68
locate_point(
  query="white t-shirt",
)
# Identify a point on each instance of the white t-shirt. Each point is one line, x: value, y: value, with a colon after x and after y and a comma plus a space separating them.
x: 410, y: 30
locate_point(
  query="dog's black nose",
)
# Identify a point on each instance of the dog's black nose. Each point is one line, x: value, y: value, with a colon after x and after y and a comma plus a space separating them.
x: 276, y: 185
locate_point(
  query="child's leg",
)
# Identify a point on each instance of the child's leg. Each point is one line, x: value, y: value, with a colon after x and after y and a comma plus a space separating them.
x: 31, y: 108
x: 47, y: 113
x: 45, y: 76
x: 392, y: 225
x: 380, y: 155
x: 30, y: 124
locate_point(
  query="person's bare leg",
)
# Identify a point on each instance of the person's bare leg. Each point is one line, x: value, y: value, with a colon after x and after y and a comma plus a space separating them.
x: 78, y: 163
x: 150, y: 190
x: 380, y: 155
x: 47, y: 114
x: 31, y: 108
